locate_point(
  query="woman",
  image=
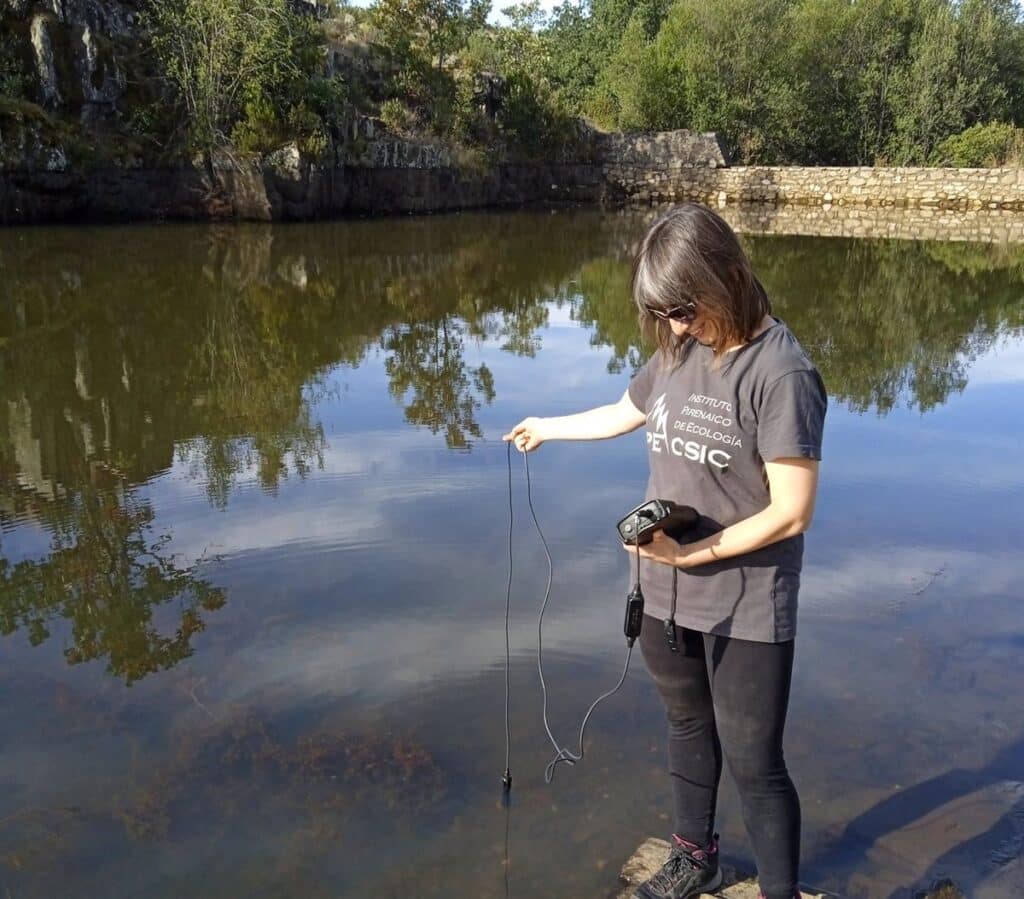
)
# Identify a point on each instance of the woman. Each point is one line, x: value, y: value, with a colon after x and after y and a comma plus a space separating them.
x: 734, y: 412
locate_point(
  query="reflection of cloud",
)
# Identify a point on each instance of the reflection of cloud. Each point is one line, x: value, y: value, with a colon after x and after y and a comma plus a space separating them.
x: 876, y: 577
x: 443, y: 642
x: 362, y: 476
x: 324, y: 658
x: 941, y: 448
x: 560, y: 316
x: 352, y: 631
x: 366, y: 473
x: 567, y: 360
x: 1003, y: 363
x: 26, y: 540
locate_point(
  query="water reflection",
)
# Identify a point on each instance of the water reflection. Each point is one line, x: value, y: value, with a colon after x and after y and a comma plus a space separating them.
x: 106, y: 576
x: 207, y: 470
x: 213, y: 345
x: 426, y: 359
x: 213, y: 348
x: 886, y: 321
x: 894, y: 321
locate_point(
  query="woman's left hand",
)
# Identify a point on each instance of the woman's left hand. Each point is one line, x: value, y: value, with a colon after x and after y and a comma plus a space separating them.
x: 662, y: 548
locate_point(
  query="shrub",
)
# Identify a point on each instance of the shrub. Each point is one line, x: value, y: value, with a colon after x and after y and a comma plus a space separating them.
x: 13, y: 81
x: 394, y: 116
x: 982, y: 146
x: 533, y: 122
x: 244, y: 72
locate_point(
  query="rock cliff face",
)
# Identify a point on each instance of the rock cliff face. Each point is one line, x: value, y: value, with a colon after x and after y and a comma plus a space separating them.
x: 74, y: 49
x: 69, y: 59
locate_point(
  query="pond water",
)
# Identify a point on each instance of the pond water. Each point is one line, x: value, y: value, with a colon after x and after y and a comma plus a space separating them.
x: 254, y: 510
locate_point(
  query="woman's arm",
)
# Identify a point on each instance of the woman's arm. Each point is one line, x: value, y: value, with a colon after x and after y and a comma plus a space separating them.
x: 594, y: 424
x: 793, y: 485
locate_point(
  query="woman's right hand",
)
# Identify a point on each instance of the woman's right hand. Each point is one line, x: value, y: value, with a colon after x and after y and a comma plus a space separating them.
x: 527, y: 435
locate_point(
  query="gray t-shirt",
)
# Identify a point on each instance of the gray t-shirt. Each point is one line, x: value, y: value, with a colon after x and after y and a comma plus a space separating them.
x: 709, y: 432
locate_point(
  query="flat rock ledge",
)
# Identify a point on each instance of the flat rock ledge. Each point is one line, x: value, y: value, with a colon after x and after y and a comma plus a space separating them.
x: 652, y: 854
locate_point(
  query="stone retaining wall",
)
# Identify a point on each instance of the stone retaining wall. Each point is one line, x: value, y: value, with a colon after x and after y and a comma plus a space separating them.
x: 632, y: 158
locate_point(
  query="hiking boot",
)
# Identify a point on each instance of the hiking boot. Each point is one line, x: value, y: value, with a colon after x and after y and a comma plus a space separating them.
x: 689, y: 871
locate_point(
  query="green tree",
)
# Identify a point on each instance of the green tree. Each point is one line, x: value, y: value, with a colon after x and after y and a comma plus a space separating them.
x: 821, y: 61
x: 434, y: 29
x: 532, y: 117
x: 609, y: 22
x: 573, y: 65
x: 421, y: 38
x: 240, y: 68
x: 799, y: 81
x: 627, y: 85
x: 521, y: 47
x: 718, y: 65
x: 929, y: 70
x: 933, y: 94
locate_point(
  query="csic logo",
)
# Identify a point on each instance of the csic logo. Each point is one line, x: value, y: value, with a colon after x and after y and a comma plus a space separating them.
x: 658, y: 440
x: 658, y: 416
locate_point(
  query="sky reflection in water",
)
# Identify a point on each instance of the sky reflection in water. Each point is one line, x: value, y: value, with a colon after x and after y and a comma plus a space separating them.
x: 268, y: 492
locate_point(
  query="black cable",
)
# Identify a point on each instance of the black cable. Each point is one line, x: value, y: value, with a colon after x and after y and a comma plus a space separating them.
x: 506, y: 779
x: 507, y: 861
x: 637, y: 531
x: 562, y: 754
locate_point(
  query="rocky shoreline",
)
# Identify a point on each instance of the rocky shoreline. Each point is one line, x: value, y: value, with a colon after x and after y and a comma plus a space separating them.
x: 366, y: 171
x: 387, y: 176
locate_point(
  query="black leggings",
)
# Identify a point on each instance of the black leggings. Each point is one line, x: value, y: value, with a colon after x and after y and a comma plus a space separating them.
x: 726, y: 694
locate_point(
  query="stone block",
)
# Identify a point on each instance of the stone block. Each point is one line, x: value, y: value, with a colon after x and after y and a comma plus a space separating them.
x: 651, y: 855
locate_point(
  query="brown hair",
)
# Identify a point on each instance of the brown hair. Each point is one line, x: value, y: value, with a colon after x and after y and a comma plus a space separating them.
x: 690, y: 255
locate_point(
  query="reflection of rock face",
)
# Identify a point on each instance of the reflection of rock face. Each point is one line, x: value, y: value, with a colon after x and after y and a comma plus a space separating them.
x: 217, y: 366
x: 125, y: 398
x: 28, y: 450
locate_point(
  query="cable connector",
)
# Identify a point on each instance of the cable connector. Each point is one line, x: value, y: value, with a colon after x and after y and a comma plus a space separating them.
x: 634, y: 615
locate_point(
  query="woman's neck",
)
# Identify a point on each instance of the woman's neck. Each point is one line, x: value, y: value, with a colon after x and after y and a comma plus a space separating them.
x: 762, y: 326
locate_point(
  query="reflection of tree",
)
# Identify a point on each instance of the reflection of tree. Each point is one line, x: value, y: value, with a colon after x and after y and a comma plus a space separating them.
x: 221, y: 363
x: 884, y: 320
x: 255, y: 383
x: 427, y: 359
x: 212, y: 348
x: 887, y: 320
x: 519, y: 329
x: 603, y: 303
x: 107, y: 576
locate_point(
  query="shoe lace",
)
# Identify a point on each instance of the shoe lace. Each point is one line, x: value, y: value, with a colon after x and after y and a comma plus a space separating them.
x: 678, y: 861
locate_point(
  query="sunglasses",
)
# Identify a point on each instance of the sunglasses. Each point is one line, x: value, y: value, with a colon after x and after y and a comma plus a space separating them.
x: 684, y: 314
